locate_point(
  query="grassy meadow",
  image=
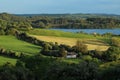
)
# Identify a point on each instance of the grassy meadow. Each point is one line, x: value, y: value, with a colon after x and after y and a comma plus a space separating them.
x: 92, y: 44
x: 3, y: 60
x: 69, y: 38
x: 12, y: 43
x: 57, y: 33
x: 70, y: 61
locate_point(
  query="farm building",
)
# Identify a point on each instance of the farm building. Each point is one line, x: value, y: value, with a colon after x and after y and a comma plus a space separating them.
x: 71, y: 55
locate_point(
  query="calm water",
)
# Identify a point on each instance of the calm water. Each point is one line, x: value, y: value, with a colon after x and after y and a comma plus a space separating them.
x: 100, y: 31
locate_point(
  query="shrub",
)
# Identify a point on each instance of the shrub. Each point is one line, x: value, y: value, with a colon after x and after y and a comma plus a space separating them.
x: 80, y: 47
x: 115, y: 42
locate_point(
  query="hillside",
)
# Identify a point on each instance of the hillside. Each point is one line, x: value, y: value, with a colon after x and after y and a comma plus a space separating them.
x: 58, y: 33
x: 92, y: 44
x: 12, y: 43
x: 78, y: 15
x: 58, y: 52
x: 68, y: 21
x: 3, y: 60
x: 68, y: 38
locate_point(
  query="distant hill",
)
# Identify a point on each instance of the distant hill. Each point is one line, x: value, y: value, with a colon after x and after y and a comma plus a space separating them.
x: 79, y: 15
x: 68, y: 21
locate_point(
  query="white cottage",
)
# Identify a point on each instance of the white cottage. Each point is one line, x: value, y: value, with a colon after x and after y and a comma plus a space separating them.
x: 71, y: 55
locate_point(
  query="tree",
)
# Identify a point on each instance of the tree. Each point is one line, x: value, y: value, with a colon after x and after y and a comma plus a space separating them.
x: 41, y: 25
x: 2, y: 32
x: 83, y: 71
x: 115, y: 41
x: 112, y: 73
x: 11, y: 31
x: 87, y: 58
x: 80, y: 47
x: 63, y: 52
x: 10, y: 72
x: 38, y: 65
x: 112, y: 54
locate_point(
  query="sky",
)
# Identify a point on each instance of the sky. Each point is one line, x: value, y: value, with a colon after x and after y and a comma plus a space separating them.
x: 60, y: 6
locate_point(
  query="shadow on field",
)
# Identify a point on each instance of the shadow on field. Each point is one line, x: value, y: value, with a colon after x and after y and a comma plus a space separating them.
x: 33, y: 47
x: 96, y: 42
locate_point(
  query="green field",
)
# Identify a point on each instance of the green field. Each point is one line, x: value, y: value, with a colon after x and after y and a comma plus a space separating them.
x: 70, y: 61
x: 11, y: 43
x: 93, y: 42
x: 3, y: 60
x: 57, y: 33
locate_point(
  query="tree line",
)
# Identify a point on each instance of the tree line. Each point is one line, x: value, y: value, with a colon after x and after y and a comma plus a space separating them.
x: 45, y: 68
x: 61, y: 50
x: 10, y: 53
x: 28, y: 22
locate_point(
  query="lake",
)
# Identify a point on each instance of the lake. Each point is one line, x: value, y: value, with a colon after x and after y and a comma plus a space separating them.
x: 100, y: 31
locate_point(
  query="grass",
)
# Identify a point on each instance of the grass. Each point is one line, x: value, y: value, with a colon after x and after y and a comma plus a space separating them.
x: 69, y: 38
x: 57, y: 33
x: 3, y: 60
x: 70, y: 61
x: 11, y: 43
x: 110, y: 64
x: 91, y: 43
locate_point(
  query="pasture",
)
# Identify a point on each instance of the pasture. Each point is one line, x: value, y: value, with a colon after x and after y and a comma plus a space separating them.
x: 3, y: 60
x: 92, y: 44
x: 57, y: 33
x: 12, y: 43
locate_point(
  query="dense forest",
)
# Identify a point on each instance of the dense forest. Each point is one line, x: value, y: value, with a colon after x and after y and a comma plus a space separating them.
x: 75, y: 21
